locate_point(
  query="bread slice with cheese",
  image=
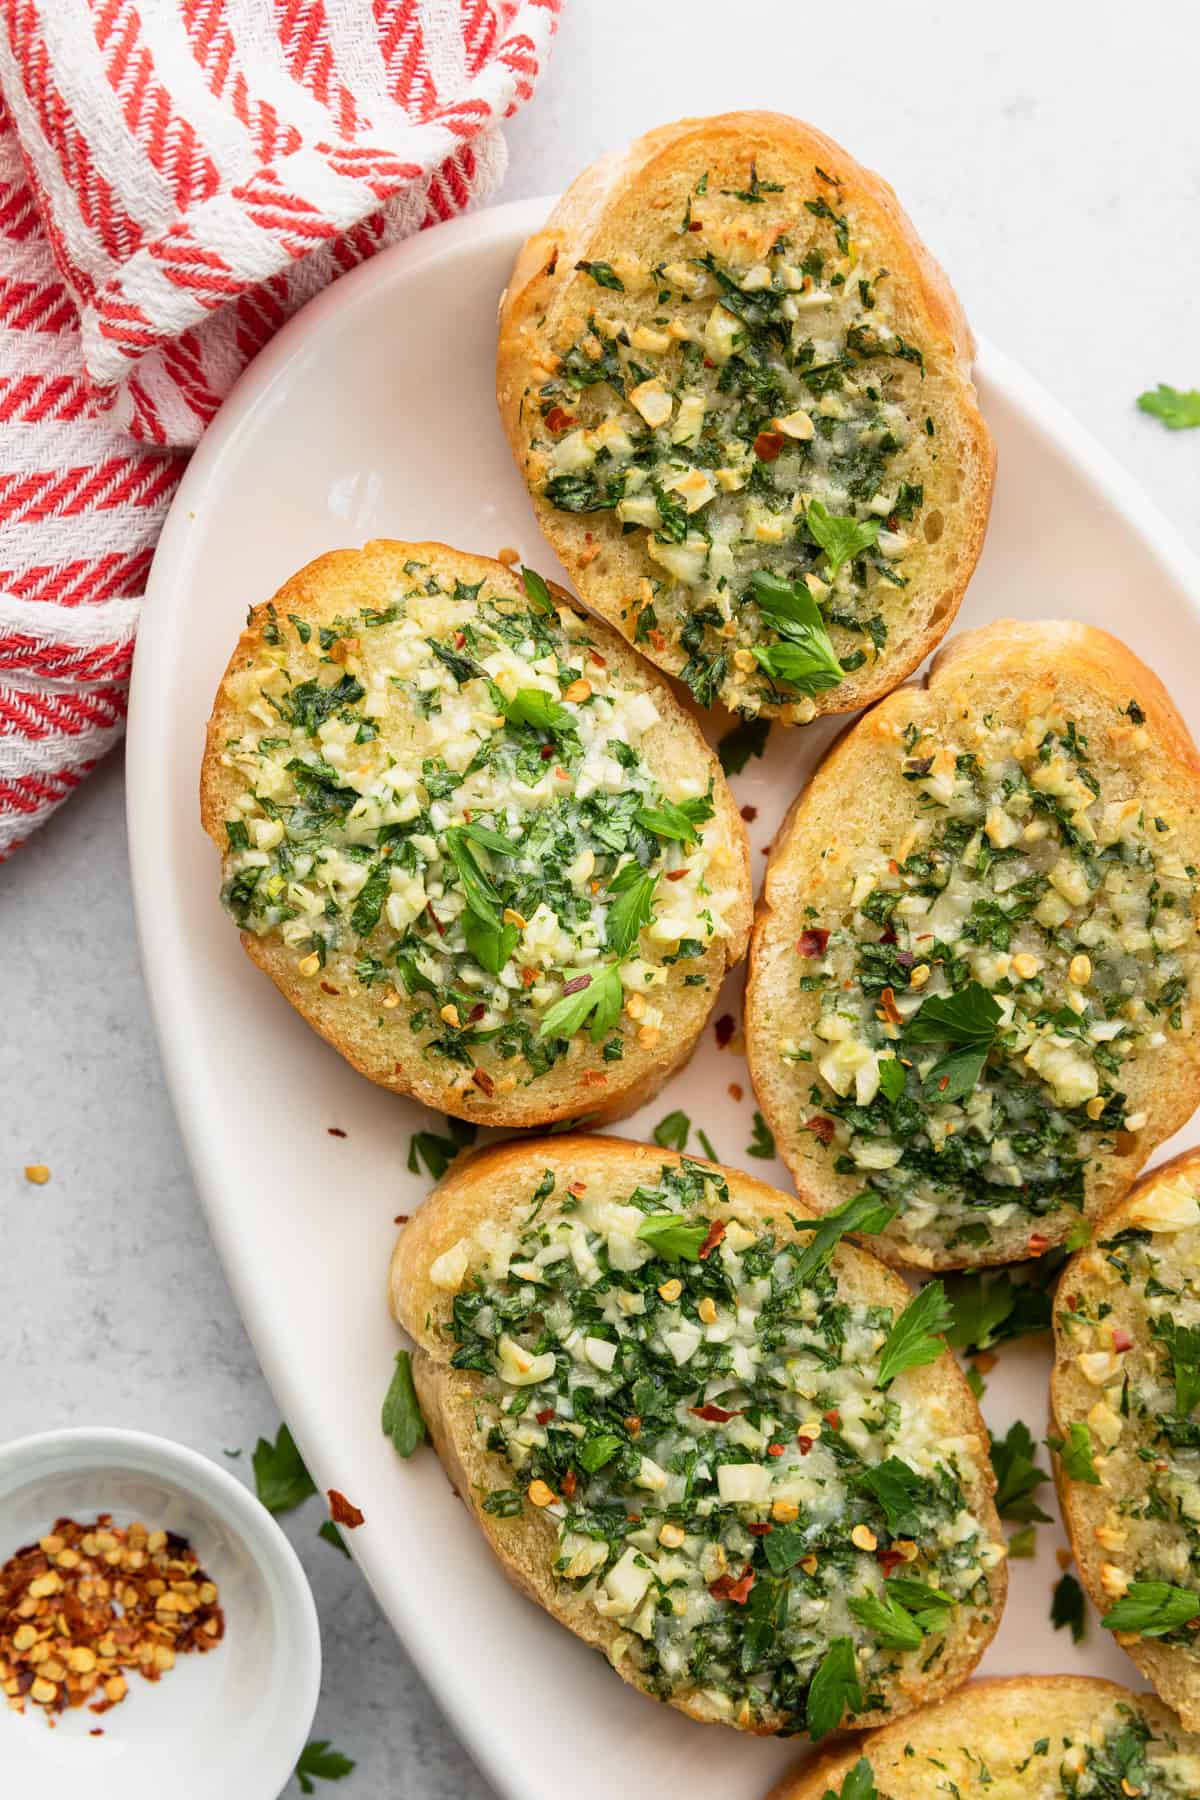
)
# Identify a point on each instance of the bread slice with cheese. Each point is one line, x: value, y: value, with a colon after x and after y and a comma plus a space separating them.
x: 739, y: 390
x: 471, y: 836
x: 1126, y: 1404
x: 973, y: 973
x: 1034, y: 1737
x: 664, y: 1396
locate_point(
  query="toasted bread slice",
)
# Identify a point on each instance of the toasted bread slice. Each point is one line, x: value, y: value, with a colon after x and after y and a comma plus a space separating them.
x: 472, y: 837
x: 633, y: 1379
x: 1033, y: 1737
x: 974, y: 966
x: 727, y: 352
x: 1125, y: 1394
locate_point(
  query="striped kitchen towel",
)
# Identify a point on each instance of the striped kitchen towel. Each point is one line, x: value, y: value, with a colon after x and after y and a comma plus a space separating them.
x: 176, y: 178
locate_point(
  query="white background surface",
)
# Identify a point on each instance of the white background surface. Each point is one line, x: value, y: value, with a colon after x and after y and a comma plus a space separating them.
x: 1049, y: 155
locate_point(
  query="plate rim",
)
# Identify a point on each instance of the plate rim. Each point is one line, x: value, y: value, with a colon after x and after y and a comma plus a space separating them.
x: 1099, y: 468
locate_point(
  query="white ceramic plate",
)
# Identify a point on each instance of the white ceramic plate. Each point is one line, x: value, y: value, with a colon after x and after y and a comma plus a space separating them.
x: 372, y: 414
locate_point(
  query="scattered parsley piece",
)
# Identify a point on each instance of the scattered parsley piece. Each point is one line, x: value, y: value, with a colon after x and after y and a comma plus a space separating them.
x: 318, y: 1762
x: 745, y: 740
x: 842, y: 539
x: 991, y: 1306
x: 538, y: 708
x: 887, y: 1620
x: 1178, y: 410
x: 537, y: 590
x: 762, y: 1144
x: 682, y: 822
x: 1017, y: 1475
x: 281, y: 1480
x: 437, y: 1153
x: 706, y: 1145
x: 1152, y: 1608
x: 632, y: 909
x: 1067, y: 1607
x: 913, y: 1340
x: 594, y: 995
x: 670, y: 1235
x: 858, y: 1785
x: 401, y: 1416
x: 1075, y: 1451
x: 329, y: 1531
x: 834, y: 1690
x: 891, y: 1077
x: 865, y: 1212
x: 603, y: 274
x: 900, y: 1492
x: 673, y: 1131
x: 1023, y: 1543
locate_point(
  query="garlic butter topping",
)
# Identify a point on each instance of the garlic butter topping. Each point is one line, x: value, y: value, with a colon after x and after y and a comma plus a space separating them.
x: 747, y: 402
x: 447, y: 800
x: 696, y: 1406
x: 989, y: 983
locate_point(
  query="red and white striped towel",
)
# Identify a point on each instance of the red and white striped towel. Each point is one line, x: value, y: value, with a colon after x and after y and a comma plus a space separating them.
x: 176, y: 178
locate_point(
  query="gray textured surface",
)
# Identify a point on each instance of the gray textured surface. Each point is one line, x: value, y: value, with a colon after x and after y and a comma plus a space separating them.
x: 1049, y: 153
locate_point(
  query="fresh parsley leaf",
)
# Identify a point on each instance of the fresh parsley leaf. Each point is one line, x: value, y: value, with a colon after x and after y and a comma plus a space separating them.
x: 929, y: 1606
x: 841, y: 539
x: 672, y: 1132
x: 991, y: 1306
x: 594, y: 1452
x: 401, y: 1416
x: 281, y: 1480
x: 477, y: 888
x: 913, y: 1341
x: 668, y: 820
x: 1075, y: 1451
x: 599, y: 998
x: 1023, y: 1543
x: 489, y: 943
x: 669, y: 1234
x: 364, y: 916
x: 318, y: 1762
x: 1182, y: 1344
x: 957, y: 1074
x: 762, y: 1144
x: 538, y: 708
x: 805, y: 657
x: 632, y: 909
x: 900, y: 1492
x: 887, y: 1620
x: 463, y: 668
x: 765, y: 1617
x: 745, y: 740
x: 238, y: 834
x: 891, y: 1077
x: 329, y: 1531
x: 1067, y: 1607
x: 603, y: 274
x: 859, y: 1784
x: 834, y: 1690
x: 864, y: 1212
x: 537, y: 590
x: 1017, y: 1475
x: 437, y: 1153
x: 1152, y: 1608
x: 969, y: 1017
x: 1178, y: 410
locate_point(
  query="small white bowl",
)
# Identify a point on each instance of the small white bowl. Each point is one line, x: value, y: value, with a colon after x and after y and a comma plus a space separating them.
x: 229, y: 1722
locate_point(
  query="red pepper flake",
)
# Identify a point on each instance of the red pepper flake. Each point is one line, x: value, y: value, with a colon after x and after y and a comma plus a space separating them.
x: 441, y: 929
x: 577, y: 985
x: 813, y: 943
x: 891, y: 1011
x: 96, y: 1731
x: 943, y: 1084
x: 727, y: 1587
x: 805, y: 1443
x: 716, y: 1232
x: 767, y: 445
x: 401, y: 1218
x: 335, y: 1131
x: 578, y: 1189
x: 545, y: 1416
x: 594, y: 656
x: 724, y: 1030
x: 476, y: 1013
x: 343, y: 1511
x: 460, y: 638
x: 776, y: 1449
x: 570, y: 1482
x: 1121, y: 1340
x: 888, y: 1560
x: 749, y: 813
x: 558, y: 420
x: 328, y: 988
x: 1038, y: 1243
x: 676, y: 874
x: 1072, y: 1303
x: 546, y: 752
x: 657, y: 640
x: 716, y: 1415
x: 763, y: 1530
x: 483, y: 1081
x: 888, y: 936
x: 696, y: 225
x: 821, y: 1127
x: 893, y: 866
x: 833, y: 1418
